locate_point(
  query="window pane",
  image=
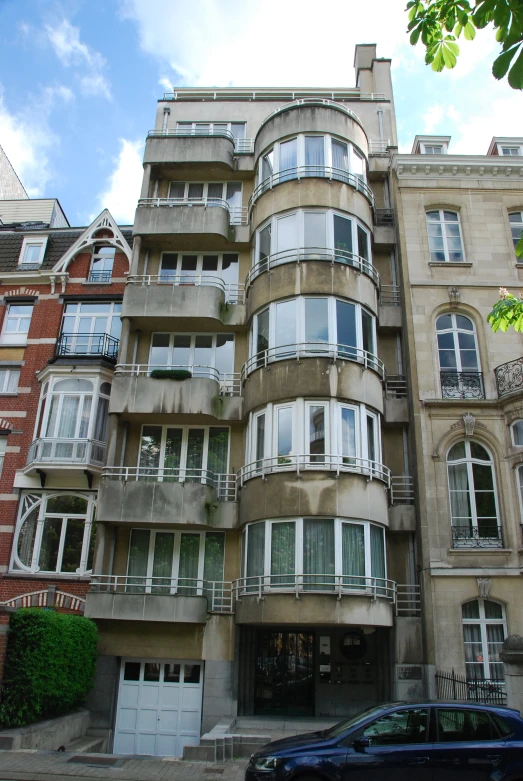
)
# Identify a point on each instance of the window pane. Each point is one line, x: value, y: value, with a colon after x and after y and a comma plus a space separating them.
x: 218, y: 456
x: 353, y: 553
x: 318, y: 554
x: 177, y: 190
x: 478, y: 451
x: 73, y: 505
x: 363, y: 243
x: 314, y: 230
x: 342, y: 235
x: 188, y: 569
x: 171, y: 673
x: 285, y: 331
x: 162, y: 562
x: 262, y: 342
x: 49, y: 546
x: 348, y: 435
x: 214, y: 556
x: 255, y: 552
x: 230, y: 269
x: 316, y: 320
x: 260, y: 437
x: 288, y: 159
x: 233, y: 194
x: 181, y: 355
x: 377, y: 551
x: 173, y: 452
x: 283, y: 545
x: 195, y: 454
x: 202, y: 353
x: 346, y: 324
x: 264, y: 243
x: 517, y: 432
x: 287, y: 233
x: 151, y: 671
x: 284, y: 434
x: 74, y: 535
x: 160, y: 350
x: 26, y: 538
x: 367, y: 327
x: 210, y: 264
x: 191, y: 673
x: 470, y: 609
x: 150, y: 447
x: 314, y: 155
x: 138, y: 557
x: 371, y: 437
x: 132, y: 671
x: 493, y: 609
x: 195, y: 191
x: 317, y: 432
x: 399, y: 729
x: 340, y: 155
x: 225, y: 353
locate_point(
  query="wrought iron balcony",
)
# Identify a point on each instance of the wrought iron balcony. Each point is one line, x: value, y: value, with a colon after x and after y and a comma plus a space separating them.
x: 396, y: 386
x: 390, y: 295
x: 484, y: 536
x: 462, y: 385
x: 509, y: 377
x: 401, y: 489
x: 100, y: 276
x: 92, y: 345
x: 384, y: 218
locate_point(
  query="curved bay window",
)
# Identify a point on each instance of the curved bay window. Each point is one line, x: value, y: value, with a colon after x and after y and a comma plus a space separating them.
x: 55, y: 533
x: 460, y: 373
x: 473, y: 501
x: 313, y: 327
x: 314, y: 434
x: 312, y: 235
x: 312, y: 155
x: 72, y: 421
x: 484, y: 630
x: 314, y: 554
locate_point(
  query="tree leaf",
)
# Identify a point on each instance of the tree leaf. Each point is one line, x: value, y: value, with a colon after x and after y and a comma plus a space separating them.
x: 414, y: 36
x: 519, y: 247
x: 502, y: 63
x: 515, y: 74
x: 470, y: 31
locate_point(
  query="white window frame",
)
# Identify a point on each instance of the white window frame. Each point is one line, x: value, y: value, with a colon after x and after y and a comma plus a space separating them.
x: 148, y: 587
x: 182, y: 125
x: 300, y: 430
x: 10, y: 379
x: 46, y: 396
x: 104, y: 260
x: 112, y: 316
x: 28, y: 503
x: 455, y: 331
x: 180, y: 277
x: 183, y: 450
x: 469, y: 459
x: 509, y: 150
x: 300, y: 155
x: 483, y: 622
x: 300, y: 326
x: 516, y: 229
x: 17, y: 336
x: 29, y: 242
x: 432, y: 149
x: 205, y: 195
x: 442, y: 222
x: 298, y: 550
x: 329, y: 214
x: 192, y: 349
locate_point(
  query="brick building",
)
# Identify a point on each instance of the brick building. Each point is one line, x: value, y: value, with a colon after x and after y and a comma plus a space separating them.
x: 60, y: 299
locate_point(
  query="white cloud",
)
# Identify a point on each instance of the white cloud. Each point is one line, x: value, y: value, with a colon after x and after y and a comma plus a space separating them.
x: 123, y: 185
x: 71, y: 51
x: 432, y: 118
x: 28, y: 143
x: 269, y: 43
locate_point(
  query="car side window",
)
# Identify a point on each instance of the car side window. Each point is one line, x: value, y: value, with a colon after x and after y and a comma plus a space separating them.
x: 399, y: 728
x: 458, y: 725
x: 502, y: 727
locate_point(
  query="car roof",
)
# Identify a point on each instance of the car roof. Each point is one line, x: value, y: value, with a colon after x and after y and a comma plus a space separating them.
x: 450, y: 704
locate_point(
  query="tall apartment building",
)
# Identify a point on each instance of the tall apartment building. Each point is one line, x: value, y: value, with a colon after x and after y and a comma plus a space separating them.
x: 61, y: 292
x: 459, y: 218
x: 255, y: 527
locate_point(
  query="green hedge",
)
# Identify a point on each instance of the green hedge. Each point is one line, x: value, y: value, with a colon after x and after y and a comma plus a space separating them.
x: 50, y: 665
x: 170, y: 374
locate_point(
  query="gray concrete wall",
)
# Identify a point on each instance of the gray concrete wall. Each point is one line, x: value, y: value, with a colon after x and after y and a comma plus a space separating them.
x: 219, y: 693
x: 101, y: 699
x: 197, y: 218
x: 194, y: 149
x: 146, y: 607
x: 47, y: 735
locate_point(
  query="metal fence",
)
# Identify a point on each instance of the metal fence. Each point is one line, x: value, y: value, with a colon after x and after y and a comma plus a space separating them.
x: 453, y: 686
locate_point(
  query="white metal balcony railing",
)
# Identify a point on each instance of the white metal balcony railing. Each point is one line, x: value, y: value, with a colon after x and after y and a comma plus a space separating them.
x: 401, y: 489
x: 301, y: 95
x: 312, y: 171
x: 230, y: 384
x: 242, y: 146
x: 301, y: 254
x: 234, y: 294
x: 307, y: 462
x: 238, y: 215
x: 217, y: 593
x: 379, y: 146
x: 296, y: 352
x: 396, y: 386
x: 390, y: 295
x: 223, y: 484
x: 67, y: 451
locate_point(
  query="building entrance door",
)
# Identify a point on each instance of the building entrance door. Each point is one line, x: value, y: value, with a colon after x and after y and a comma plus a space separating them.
x: 284, y: 673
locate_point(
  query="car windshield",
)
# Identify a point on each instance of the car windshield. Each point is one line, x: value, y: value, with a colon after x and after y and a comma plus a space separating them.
x: 343, y: 726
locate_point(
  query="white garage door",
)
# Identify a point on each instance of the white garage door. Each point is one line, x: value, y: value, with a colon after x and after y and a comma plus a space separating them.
x: 159, y: 707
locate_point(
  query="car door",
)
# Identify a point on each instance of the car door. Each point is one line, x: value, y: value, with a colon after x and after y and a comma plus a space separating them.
x: 394, y: 747
x: 467, y: 746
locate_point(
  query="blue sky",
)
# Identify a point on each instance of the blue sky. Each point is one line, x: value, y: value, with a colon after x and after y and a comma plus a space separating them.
x: 79, y: 80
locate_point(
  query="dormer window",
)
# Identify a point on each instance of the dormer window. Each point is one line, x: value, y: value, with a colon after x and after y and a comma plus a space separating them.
x: 432, y: 149
x: 33, y: 250
x: 431, y: 145
x: 511, y: 151
x: 102, y: 263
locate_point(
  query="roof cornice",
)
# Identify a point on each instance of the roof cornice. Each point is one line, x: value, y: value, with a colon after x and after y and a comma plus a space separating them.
x: 457, y: 166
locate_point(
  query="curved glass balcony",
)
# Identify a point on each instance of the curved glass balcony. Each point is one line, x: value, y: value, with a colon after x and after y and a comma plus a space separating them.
x: 312, y: 171
x: 305, y: 462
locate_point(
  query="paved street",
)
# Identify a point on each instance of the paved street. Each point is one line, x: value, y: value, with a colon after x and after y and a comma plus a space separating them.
x: 32, y: 765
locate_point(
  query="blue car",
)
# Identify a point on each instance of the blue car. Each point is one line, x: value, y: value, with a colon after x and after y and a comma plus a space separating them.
x: 429, y: 741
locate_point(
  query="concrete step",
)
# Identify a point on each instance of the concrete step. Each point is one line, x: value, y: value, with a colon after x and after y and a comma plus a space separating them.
x: 86, y: 745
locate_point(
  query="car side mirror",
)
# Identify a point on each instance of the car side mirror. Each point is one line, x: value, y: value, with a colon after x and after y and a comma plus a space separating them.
x: 360, y: 744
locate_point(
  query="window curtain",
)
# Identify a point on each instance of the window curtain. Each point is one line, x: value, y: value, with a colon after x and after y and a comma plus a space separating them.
x: 353, y: 555
x: 283, y: 550
x: 68, y: 417
x: 217, y: 459
x: 461, y: 517
x: 317, y: 433
x: 318, y: 555
x: 377, y: 555
x: 188, y: 568
x: 495, y: 638
x: 213, y: 569
x: 194, y: 455
x: 340, y: 159
x: 474, y: 664
x: 348, y: 435
x: 138, y: 558
x: 255, y: 556
x: 162, y: 562
x: 314, y: 156
x: 288, y: 160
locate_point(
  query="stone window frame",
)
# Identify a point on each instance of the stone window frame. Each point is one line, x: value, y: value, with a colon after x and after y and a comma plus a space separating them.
x: 441, y: 221
x: 483, y: 622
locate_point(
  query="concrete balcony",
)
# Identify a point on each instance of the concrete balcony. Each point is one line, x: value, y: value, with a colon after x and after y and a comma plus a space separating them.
x: 396, y: 400
x: 301, y: 486
x: 148, y: 495
x: 390, y: 315
x: 169, y: 148
x: 384, y: 237
x: 402, y: 512
x: 199, y: 297
x: 184, y: 600
x: 213, y: 216
x: 136, y: 393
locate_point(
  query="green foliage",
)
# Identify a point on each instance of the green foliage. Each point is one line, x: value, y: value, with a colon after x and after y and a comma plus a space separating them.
x: 171, y: 374
x: 439, y: 23
x: 50, y: 665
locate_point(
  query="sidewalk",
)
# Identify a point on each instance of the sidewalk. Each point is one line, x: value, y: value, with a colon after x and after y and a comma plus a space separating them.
x: 57, y: 766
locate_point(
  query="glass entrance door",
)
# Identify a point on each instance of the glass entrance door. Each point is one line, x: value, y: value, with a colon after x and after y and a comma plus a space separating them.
x: 284, y: 674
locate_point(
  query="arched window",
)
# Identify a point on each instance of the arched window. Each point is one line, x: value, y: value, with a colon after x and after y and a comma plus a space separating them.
x: 516, y: 431
x: 516, y: 227
x: 55, y: 533
x: 445, y: 241
x: 473, y: 503
x: 484, y: 630
x: 458, y: 358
